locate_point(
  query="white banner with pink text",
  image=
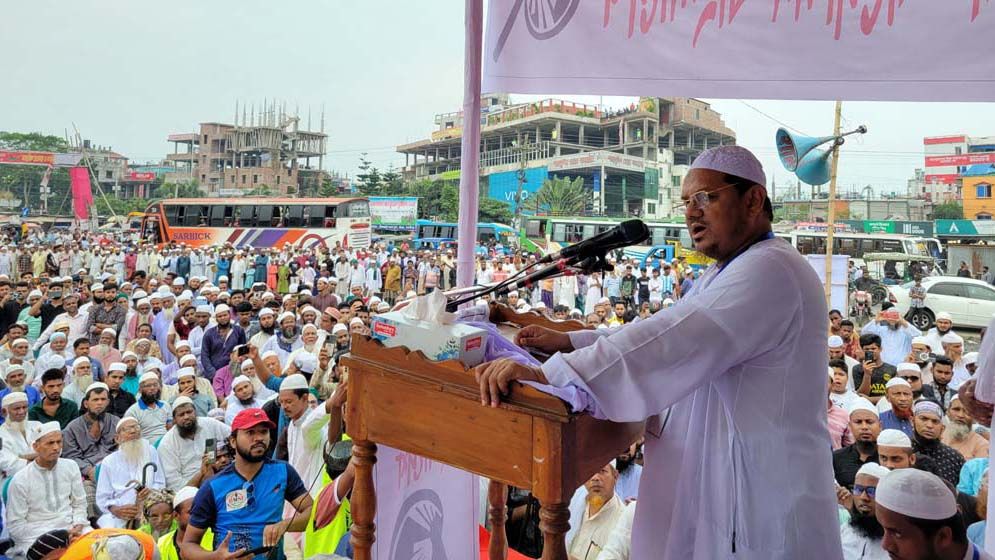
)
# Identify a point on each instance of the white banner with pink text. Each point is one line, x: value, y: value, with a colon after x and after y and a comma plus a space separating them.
x: 902, y: 50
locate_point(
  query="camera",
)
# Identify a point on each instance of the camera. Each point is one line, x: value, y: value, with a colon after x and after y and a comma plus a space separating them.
x: 923, y: 357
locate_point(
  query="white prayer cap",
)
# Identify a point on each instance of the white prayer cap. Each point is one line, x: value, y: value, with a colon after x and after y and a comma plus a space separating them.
x: 246, y: 360
x: 916, y: 494
x: 926, y: 406
x: 58, y: 336
x: 285, y: 315
x: 96, y: 286
x: 179, y: 281
x: 35, y: 293
x: 204, y: 308
x: 13, y: 398
x: 312, y: 327
x: 117, y: 366
x: 239, y: 380
x: 109, y: 331
x: 970, y: 358
x: 222, y: 309
x: 184, y: 494
x: 339, y: 327
x: 80, y: 361
x: 952, y: 338
x: 269, y: 354
x: 287, y: 297
x: 17, y: 367
x: 308, y: 308
x: 920, y: 340
x: 143, y: 301
x: 180, y: 401
x: 185, y: 296
x: 862, y: 404
x: 125, y: 421
x: 894, y: 438
x: 909, y: 366
x: 895, y: 382
x: 222, y: 278
x: 185, y: 372
x: 188, y: 358
x: 129, y: 354
x: 139, y: 294
x: 305, y: 292
x: 356, y: 321
x: 306, y: 362
x: 374, y: 300
x: 96, y: 386
x: 873, y: 469
x: 224, y: 295
x: 45, y: 429
x: 164, y: 290
x: 292, y: 382
x: 155, y: 297
x: 384, y: 307
x: 19, y: 341
x: 266, y: 312
x: 835, y: 342
x: 513, y: 293
x: 182, y: 344
x: 148, y: 376
x: 944, y: 316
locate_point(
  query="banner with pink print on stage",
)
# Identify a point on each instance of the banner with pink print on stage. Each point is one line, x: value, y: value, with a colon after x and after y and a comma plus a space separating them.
x: 898, y: 50
x: 79, y: 180
x: 425, y: 510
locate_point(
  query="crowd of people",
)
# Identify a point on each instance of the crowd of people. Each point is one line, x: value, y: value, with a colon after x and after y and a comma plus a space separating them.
x: 148, y: 392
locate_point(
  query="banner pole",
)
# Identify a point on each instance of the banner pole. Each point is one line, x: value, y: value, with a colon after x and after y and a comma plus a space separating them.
x: 831, y: 210
x: 469, y: 191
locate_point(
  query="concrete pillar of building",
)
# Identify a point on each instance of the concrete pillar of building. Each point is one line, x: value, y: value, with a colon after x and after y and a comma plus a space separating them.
x: 538, y: 135
x: 559, y: 133
x: 580, y: 135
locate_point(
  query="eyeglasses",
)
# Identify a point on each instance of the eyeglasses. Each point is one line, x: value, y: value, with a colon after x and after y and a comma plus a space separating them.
x: 700, y: 199
x: 859, y: 489
x: 910, y: 377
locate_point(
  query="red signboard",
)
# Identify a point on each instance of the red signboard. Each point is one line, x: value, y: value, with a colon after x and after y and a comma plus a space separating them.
x: 963, y: 159
x: 140, y: 176
x: 27, y: 158
x: 947, y: 179
x: 944, y: 140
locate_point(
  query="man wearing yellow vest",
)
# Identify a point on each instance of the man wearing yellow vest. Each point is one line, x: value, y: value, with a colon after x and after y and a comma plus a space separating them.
x: 169, y: 543
x: 330, y: 515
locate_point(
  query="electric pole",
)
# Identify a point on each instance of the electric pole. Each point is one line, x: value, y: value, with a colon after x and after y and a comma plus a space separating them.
x: 521, y: 150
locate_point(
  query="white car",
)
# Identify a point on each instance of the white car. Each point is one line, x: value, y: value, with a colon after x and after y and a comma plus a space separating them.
x: 970, y: 302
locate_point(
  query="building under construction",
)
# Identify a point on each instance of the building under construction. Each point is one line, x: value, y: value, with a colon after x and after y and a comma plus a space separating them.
x: 632, y: 160
x: 265, y: 149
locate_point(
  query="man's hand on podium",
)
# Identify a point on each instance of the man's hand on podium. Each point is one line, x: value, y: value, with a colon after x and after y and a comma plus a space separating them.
x: 494, y: 378
x: 543, y: 339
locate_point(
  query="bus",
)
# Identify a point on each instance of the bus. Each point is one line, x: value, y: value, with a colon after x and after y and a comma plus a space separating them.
x: 259, y: 222
x: 856, y: 245
x: 431, y: 234
x: 550, y: 234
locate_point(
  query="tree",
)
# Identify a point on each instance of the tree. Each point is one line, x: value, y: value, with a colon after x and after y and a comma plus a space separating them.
x: 177, y: 190
x: 492, y: 210
x: 327, y: 189
x: 370, y: 178
x: 948, y: 211
x: 562, y: 197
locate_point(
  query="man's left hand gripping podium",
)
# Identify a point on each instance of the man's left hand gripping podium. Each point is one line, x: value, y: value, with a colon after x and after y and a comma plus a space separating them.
x: 400, y: 398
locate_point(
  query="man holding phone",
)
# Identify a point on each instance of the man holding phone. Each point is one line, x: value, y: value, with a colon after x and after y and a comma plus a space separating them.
x: 871, y: 375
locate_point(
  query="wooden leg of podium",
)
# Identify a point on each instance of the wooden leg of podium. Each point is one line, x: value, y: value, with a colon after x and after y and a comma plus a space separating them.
x: 364, y: 500
x: 554, y: 522
x: 497, y: 500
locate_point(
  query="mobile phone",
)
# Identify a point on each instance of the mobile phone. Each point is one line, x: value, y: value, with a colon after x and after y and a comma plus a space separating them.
x: 868, y: 356
x: 210, y: 450
x: 260, y: 550
x: 242, y: 350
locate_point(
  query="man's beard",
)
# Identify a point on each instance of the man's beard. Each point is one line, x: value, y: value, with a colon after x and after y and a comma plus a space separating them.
x: 289, y: 333
x: 17, y: 427
x: 151, y: 399
x: 902, y: 413
x: 248, y: 402
x: 97, y: 299
x: 84, y: 381
x: 942, y: 331
x: 623, y: 465
x: 134, y: 451
x: 893, y: 326
x: 188, y: 432
x: 268, y: 330
x: 169, y: 312
x: 866, y: 525
x: 958, y: 430
x: 17, y: 388
x: 246, y: 454
x: 866, y: 447
x: 131, y: 371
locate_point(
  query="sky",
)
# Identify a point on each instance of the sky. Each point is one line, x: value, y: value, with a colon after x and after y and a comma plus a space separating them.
x: 128, y: 74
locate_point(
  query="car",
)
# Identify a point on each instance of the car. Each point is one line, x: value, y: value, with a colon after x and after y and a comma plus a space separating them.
x: 971, y: 303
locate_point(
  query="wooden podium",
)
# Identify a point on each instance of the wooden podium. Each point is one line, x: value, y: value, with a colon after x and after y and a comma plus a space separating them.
x: 532, y: 441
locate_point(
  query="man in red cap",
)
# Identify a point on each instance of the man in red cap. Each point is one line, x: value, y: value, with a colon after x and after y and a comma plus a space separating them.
x: 243, y: 504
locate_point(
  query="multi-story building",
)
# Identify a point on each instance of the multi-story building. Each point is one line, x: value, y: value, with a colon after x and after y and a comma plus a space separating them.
x: 949, y: 158
x: 632, y: 161
x: 977, y: 192
x: 268, y: 150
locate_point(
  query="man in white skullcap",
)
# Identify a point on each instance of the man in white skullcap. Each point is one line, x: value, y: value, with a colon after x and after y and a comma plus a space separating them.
x: 864, y: 427
x: 286, y: 339
x: 899, y: 394
x: 15, y: 448
x: 219, y: 342
x: 919, y: 514
x: 934, y: 337
x: 953, y: 348
x: 46, y: 494
x: 895, y: 450
x: 960, y: 435
x: 17, y: 382
x: 19, y: 355
x: 836, y: 352
x: 243, y: 395
x: 82, y: 377
x: 169, y: 544
x: 116, y: 498
x: 306, y: 429
x: 202, y: 318
x: 186, y: 386
x: 947, y: 462
x: 861, y: 535
x: 154, y: 415
x: 182, y: 448
x: 266, y: 328
x: 105, y: 352
x: 120, y: 398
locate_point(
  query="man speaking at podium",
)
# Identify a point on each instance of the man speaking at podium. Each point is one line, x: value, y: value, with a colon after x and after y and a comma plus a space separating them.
x: 731, y: 382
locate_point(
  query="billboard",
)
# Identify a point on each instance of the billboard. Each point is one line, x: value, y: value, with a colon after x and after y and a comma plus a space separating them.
x: 962, y: 159
x: 397, y: 212
x: 27, y: 158
x: 504, y: 186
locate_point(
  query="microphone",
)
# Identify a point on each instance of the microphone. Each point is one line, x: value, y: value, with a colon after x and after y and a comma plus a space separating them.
x: 568, y: 266
x: 629, y: 232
